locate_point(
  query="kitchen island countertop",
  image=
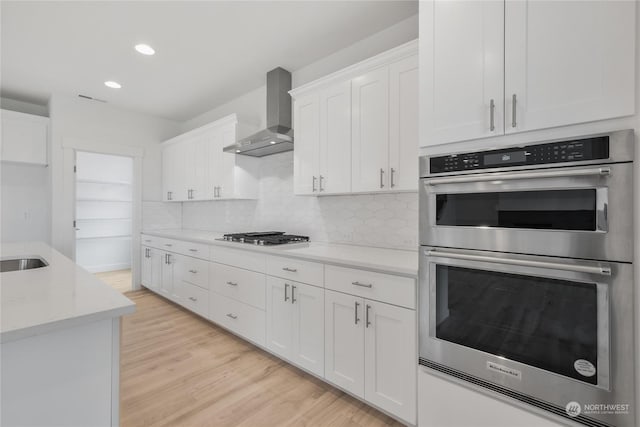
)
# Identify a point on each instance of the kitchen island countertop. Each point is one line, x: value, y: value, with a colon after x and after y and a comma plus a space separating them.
x: 60, y: 295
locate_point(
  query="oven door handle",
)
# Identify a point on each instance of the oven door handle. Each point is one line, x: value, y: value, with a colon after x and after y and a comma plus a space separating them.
x: 504, y: 176
x: 604, y: 270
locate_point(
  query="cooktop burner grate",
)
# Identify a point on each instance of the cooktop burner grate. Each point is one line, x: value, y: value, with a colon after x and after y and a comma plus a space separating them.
x: 265, y: 238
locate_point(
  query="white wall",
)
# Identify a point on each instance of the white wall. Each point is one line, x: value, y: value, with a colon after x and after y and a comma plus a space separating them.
x: 99, y: 124
x: 386, y: 220
x: 24, y: 107
x: 632, y: 122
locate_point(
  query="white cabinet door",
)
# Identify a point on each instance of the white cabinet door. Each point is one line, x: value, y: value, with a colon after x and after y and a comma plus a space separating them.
x: 344, y: 341
x: 308, y: 327
x: 461, y: 70
x: 173, y: 172
x: 370, y: 131
x: 403, y: 124
x: 307, y: 144
x: 390, y: 358
x: 568, y: 62
x: 226, y: 176
x: 279, y: 317
x: 334, y: 174
x: 156, y: 268
x: 169, y: 283
x: 146, y: 273
x: 24, y: 138
x: 196, y: 167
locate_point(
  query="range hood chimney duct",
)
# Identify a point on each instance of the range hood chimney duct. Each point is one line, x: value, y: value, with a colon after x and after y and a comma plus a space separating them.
x: 278, y: 136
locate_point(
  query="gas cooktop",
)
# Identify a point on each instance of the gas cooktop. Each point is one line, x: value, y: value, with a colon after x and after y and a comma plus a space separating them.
x: 265, y: 238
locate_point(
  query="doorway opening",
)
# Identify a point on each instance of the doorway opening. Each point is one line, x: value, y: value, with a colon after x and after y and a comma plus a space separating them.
x: 104, y: 217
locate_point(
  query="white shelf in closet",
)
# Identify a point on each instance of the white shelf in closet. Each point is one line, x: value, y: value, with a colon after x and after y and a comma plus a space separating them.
x: 103, y: 219
x: 104, y: 200
x: 98, y: 181
x: 115, y: 236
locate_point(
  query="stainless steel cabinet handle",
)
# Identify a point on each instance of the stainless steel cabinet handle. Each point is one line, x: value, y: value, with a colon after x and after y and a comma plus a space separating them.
x: 492, y: 110
x: 366, y: 316
x: 293, y: 295
x: 168, y: 245
x: 169, y: 195
x: 393, y: 171
x: 148, y: 253
x: 355, y: 309
x: 168, y: 258
x: 193, y: 250
x: 514, y: 101
x: 601, y: 171
x: 381, y: 178
x: 232, y: 284
x: 147, y: 240
x: 193, y: 271
x: 292, y: 270
x: 601, y: 269
x: 364, y: 285
x: 193, y: 299
x: 321, y: 179
x: 313, y: 184
x: 286, y: 288
x: 232, y: 316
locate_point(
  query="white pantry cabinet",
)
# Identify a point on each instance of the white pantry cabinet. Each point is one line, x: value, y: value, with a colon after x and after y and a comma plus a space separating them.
x: 24, y: 138
x: 370, y: 351
x: 295, y: 323
x: 491, y: 67
x: 195, y: 167
x: 357, y: 129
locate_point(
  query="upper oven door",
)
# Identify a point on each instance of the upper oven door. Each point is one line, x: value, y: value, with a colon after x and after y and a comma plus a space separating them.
x: 578, y: 212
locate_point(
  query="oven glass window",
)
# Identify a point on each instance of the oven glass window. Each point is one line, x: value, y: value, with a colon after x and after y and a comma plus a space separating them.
x: 547, y: 323
x: 549, y: 209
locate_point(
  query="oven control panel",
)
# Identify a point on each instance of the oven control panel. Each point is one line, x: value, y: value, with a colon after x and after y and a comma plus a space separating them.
x: 540, y: 154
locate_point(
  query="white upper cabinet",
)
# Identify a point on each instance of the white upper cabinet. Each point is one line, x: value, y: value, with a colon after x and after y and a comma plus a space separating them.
x: 24, y: 138
x: 568, y: 62
x: 195, y: 167
x: 558, y: 62
x: 461, y: 70
x: 334, y: 174
x: 403, y: 124
x: 370, y: 131
x: 358, y: 127
x: 307, y: 144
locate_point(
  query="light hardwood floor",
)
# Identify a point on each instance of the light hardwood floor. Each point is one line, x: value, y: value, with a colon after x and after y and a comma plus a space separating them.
x: 178, y: 369
x: 120, y: 280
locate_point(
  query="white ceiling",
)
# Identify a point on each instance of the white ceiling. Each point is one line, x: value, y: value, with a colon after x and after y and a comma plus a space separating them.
x: 207, y: 52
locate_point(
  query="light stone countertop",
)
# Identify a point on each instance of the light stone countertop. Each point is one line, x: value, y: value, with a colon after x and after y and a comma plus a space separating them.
x: 60, y: 295
x: 392, y: 261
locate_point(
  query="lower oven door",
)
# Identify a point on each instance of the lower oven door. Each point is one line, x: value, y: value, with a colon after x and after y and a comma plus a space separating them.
x: 552, y: 330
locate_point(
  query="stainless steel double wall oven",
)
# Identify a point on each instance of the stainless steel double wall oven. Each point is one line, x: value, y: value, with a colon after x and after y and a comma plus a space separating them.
x: 526, y: 275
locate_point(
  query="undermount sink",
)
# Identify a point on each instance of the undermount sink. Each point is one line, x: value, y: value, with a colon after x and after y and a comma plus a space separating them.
x: 21, y: 264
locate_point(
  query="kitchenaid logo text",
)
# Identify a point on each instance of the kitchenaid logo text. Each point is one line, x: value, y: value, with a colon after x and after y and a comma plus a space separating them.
x: 504, y: 370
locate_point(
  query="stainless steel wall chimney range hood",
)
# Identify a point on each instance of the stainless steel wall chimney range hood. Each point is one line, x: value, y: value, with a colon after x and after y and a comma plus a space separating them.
x: 278, y: 136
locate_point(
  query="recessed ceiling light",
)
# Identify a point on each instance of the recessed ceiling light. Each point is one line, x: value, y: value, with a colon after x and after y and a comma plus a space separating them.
x: 145, y: 49
x: 237, y: 151
x: 273, y: 142
x: 112, y: 84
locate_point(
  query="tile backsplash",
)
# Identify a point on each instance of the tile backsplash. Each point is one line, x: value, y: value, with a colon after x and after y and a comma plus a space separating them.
x: 161, y: 215
x: 385, y: 220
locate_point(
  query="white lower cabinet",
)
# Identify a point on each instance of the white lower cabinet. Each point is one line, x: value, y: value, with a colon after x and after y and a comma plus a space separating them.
x: 151, y: 268
x: 390, y: 358
x: 295, y: 323
x: 194, y: 298
x: 240, y: 318
x: 170, y: 275
x: 370, y: 351
x: 344, y: 341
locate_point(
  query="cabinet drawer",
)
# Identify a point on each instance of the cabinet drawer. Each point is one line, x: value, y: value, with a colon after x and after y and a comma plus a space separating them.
x: 242, y: 285
x: 165, y: 244
x: 194, y: 298
x: 197, y: 250
x: 248, y: 260
x: 195, y: 271
x: 387, y: 288
x: 152, y: 241
x: 295, y: 269
x: 245, y: 320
